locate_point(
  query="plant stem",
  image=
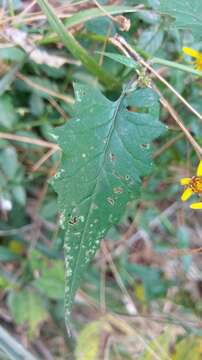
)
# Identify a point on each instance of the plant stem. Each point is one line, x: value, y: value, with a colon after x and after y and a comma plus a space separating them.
x: 173, y: 64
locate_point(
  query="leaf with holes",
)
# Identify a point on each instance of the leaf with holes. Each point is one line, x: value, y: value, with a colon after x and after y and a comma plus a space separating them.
x: 188, y: 14
x: 105, y: 151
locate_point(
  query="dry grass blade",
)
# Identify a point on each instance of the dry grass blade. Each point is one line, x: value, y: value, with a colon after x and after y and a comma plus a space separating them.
x: 28, y: 140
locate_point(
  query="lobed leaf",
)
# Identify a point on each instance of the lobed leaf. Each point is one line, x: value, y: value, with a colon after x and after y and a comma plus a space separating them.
x: 105, y: 151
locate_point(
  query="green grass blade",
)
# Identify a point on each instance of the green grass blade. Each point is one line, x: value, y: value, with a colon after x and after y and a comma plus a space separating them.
x: 75, y: 48
x: 175, y: 65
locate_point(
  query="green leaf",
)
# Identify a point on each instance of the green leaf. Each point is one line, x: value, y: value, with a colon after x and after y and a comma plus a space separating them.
x: 51, y: 283
x: 187, y: 14
x: 129, y: 62
x: 12, y: 53
x: 19, y: 194
x: 8, y: 78
x: 101, y: 26
x: 105, y: 151
x: 8, y: 115
x: 27, y: 306
x: 36, y: 105
x: 74, y: 47
x: 149, y: 16
x: 6, y: 254
x: 151, y: 39
x: 9, y: 161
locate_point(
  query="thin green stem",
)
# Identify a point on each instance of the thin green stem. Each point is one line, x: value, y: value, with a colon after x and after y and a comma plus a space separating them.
x: 173, y: 64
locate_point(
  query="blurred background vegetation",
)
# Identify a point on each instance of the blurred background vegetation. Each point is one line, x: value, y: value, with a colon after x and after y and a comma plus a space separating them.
x: 141, y: 298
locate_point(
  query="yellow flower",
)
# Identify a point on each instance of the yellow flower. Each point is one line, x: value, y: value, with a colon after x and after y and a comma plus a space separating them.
x: 195, y: 54
x: 193, y: 185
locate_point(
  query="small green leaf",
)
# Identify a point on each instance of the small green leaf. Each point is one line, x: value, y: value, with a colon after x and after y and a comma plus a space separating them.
x: 19, y: 194
x: 8, y: 115
x: 6, y: 254
x: 121, y: 59
x: 27, y: 306
x: 9, y: 161
x: 51, y: 283
x: 8, y: 78
x: 150, y: 40
x: 101, y: 26
x: 187, y: 14
x: 36, y: 104
x: 105, y: 151
x: 12, y: 53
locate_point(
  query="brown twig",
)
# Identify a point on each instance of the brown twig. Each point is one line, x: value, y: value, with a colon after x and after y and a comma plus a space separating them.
x: 43, y: 159
x: 167, y: 145
x: 178, y: 120
x: 118, y: 277
x: 28, y: 140
x: 60, y: 110
x: 67, y: 99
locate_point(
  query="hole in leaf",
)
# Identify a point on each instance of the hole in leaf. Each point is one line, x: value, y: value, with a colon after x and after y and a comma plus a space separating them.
x: 144, y: 146
x: 110, y: 201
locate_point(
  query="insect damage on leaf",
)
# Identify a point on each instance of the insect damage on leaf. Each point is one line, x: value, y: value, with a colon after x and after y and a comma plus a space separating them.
x: 103, y: 158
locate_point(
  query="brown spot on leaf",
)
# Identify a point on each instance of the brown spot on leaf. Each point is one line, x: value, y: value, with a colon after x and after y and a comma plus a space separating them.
x: 144, y: 146
x: 112, y: 156
x: 118, y: 190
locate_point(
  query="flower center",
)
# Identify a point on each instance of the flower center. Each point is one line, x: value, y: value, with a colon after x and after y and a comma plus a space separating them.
x: 196, y: 184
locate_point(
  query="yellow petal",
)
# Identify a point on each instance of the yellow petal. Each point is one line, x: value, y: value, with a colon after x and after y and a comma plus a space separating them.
x: 199, y: 169
x: 191, y: 52
x: 198, y: 64
x: 186, y: 194
x: 185, y: 181
x: 196, y: 205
